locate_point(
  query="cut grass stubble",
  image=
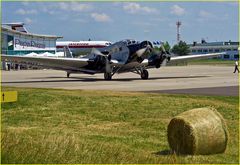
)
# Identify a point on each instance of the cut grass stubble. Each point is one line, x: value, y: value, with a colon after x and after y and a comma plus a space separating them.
x: 65, y: 126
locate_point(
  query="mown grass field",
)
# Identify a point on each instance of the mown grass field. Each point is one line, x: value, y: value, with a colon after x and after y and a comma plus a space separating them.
x: 74, y: 126
x: 211, y: 62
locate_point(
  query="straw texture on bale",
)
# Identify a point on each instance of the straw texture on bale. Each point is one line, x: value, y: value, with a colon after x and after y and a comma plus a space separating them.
x: 198, y: 131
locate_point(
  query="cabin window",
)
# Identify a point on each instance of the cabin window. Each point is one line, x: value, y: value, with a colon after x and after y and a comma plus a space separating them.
x: 226, y: 56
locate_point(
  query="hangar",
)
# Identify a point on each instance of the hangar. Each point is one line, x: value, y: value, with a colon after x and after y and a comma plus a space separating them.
x: 16, y: 40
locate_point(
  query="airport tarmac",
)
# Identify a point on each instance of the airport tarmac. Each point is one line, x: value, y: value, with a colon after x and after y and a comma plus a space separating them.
x: 195, y: 79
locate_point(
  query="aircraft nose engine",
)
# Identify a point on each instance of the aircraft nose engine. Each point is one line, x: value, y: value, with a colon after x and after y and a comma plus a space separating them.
x: 144, y: 47
x: 145, y: 44
x: 160, y: 58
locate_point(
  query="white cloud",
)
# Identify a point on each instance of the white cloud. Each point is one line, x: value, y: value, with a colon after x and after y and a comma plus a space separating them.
x: 177, y: 10
x: 25, y: 12
x: 205, y: 14
x: 63, y: 5
x: 74, y: 6
x: 25, y: 3
x: 28, y: 20
x: 100, y: 17
x: 134, y: 8
x: 48, y: 10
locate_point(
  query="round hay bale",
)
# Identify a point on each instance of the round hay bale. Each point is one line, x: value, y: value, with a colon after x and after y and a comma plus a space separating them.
x: 198, y: 131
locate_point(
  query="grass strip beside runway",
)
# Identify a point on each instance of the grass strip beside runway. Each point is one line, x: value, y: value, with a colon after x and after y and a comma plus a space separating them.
x: 77, y: 126
x: 216, y: 62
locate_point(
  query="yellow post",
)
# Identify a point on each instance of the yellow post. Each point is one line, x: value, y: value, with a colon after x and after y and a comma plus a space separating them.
x: 8, y: 96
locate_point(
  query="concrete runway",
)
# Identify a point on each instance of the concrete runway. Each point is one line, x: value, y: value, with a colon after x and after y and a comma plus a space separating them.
x: 203, y: 80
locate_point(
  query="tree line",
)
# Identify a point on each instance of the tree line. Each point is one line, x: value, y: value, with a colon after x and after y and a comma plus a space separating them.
x: 179, y: 49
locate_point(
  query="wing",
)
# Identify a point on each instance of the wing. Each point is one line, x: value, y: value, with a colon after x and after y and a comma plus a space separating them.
x: 175, y: 59
x: 51, y: 62
x: 74, y: 64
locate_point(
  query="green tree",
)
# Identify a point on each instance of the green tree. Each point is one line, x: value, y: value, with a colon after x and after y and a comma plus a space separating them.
x: 181, y: 48
x: 165, y: 45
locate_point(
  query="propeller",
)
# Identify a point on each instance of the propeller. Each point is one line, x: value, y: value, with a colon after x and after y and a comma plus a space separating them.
x: 140, y: 52
x: 161, y: 57
x: 166, y: 55
x: 107, y: 57
x: 97, y: 52
x: 145, y: 47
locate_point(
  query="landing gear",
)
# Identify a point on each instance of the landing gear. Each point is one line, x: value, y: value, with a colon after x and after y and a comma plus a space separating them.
x: 144, y: 74
x: 68, y: 75
x: 107, y: 76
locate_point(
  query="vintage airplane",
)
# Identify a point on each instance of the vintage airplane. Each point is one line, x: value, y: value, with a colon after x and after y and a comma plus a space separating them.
x: 120, y: 57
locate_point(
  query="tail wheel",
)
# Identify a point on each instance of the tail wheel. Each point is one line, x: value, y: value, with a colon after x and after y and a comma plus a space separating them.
x: 144, y: 74
x: 107, y: 76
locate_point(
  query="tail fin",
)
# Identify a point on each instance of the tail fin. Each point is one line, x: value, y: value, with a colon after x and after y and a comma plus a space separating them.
x: 67, y: 52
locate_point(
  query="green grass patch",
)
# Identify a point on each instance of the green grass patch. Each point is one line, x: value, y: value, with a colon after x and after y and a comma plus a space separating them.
x: 77, y: 126
x: 211, y: 62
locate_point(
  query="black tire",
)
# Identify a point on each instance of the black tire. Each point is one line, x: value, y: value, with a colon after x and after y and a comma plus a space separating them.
x: 144, y: 74
x: 107, y: 76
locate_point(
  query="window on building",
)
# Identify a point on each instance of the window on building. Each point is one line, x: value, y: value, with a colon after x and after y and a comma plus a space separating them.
x: 228, y: 49
x: 205, y: 50
x: 236, y: 56
x: 216, y: 50
x: 210, y: 50
x: 235, y: 50
x: 226, y: 56
x: 193, y: 51
x: 223, y: 50
x: 199, y: 50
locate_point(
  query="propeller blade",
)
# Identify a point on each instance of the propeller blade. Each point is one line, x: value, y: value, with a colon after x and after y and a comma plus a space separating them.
x: 164, y: 50
x: 140, y: 52
x: 97, y: 52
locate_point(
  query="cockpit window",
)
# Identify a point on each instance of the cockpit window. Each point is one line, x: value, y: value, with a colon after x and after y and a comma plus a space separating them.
x: 130, y: 42
x: 108, y: 43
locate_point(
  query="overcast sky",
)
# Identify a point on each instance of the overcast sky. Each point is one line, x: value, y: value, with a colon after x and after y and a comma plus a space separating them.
x: 113, y: 21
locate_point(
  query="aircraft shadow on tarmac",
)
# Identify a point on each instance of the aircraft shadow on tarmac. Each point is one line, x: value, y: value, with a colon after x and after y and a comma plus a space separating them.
x: 93, y: 79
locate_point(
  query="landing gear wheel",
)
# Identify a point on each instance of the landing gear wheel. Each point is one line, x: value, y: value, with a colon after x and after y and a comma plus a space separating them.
x: 68, y: 75
x: 107, y: 76
x: 144, y: 74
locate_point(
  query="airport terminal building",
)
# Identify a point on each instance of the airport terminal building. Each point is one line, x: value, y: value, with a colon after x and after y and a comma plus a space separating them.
x: 231, y: 49
x: 17, y: 41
